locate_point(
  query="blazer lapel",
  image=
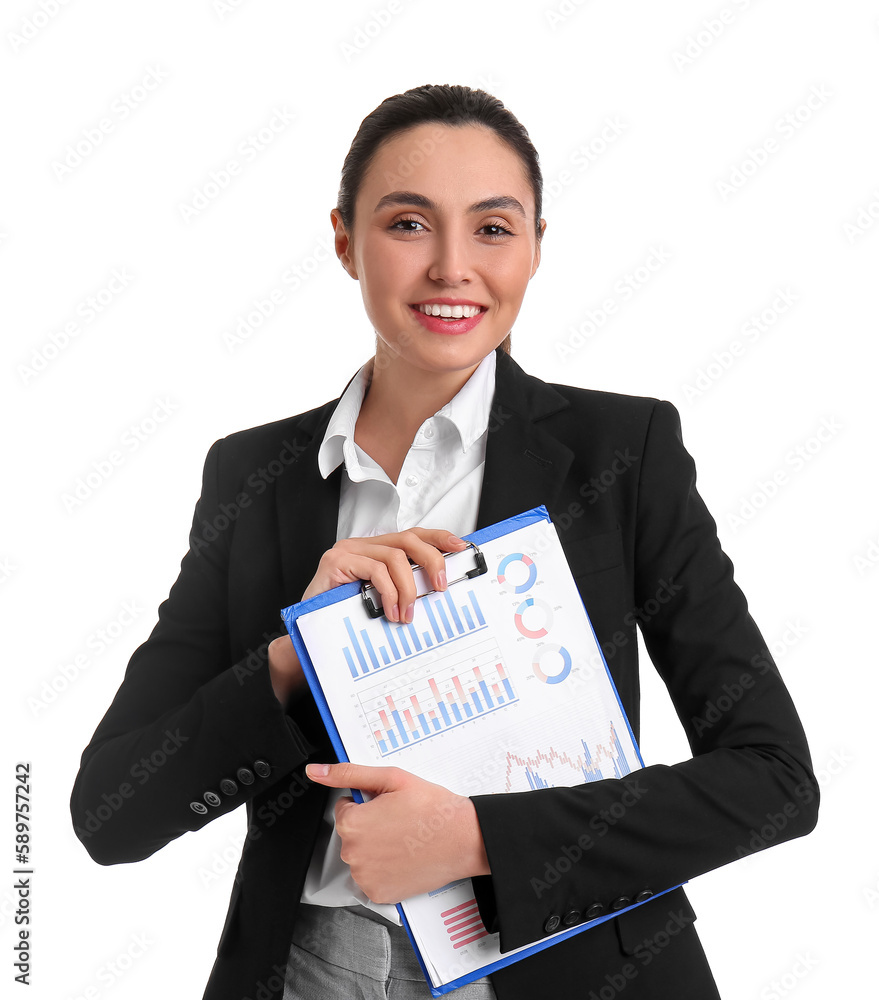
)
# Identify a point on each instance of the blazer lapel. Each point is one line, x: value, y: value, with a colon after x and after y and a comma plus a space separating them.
x: 525, y: 465
x: 307, y: 507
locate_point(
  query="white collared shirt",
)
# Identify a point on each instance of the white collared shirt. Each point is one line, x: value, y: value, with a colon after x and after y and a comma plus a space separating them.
x: 438, y: 487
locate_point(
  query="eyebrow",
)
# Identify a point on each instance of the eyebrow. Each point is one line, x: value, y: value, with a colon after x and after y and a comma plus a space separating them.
x: 486, y: 205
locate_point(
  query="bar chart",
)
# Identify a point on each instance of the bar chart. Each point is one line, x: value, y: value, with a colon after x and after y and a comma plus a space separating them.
x: 546, y: 769
x: 434, y: 698
x: 439, y: 618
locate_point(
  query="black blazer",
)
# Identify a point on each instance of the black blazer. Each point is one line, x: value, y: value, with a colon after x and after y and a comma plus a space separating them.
x: 197, y: 704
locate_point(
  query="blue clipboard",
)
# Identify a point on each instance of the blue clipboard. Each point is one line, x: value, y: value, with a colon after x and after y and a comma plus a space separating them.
x: 345, y: 592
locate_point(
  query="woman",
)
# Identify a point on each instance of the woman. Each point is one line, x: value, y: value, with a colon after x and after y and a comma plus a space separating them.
x: 439, y: 219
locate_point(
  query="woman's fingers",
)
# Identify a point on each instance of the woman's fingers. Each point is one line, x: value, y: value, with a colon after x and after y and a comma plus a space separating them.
x: 384, y: 560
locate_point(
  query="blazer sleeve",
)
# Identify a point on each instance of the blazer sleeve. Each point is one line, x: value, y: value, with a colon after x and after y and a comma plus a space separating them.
x: 749, y: 783
x: 185, y: 718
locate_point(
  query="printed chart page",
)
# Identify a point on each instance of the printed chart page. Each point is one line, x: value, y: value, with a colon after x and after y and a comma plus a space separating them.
x: 497, y: 685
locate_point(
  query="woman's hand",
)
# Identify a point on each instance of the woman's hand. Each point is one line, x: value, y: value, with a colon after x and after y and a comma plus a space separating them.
x: 285, y: 669
x: 384, y: 561
x: 411, y: 837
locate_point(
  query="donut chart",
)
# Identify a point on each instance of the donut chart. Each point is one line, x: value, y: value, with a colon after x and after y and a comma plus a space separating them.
x: 560, y: 674
x: 533, y: 608
x: 518, y: 557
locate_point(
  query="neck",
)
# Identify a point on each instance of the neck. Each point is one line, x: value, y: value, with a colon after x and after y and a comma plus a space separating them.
x: 399, y: 399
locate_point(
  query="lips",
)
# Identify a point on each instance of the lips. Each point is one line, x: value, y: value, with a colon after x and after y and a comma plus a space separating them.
x: 450, y: 316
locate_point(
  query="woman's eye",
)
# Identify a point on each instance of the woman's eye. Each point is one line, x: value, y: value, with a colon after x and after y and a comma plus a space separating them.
x: 495, y: 231
x: 407, y: 225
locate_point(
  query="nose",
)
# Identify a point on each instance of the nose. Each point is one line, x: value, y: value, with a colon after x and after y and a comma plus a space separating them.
x: 451, y: 263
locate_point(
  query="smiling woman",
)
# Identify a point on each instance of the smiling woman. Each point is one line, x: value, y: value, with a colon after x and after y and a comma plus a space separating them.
x: 439, y: 220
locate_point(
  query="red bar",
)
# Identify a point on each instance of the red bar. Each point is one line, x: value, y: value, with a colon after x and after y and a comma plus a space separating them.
x: 476, y: 937
x: 408, y: 715
x: 390, y: 702
x: 460, y: 906
x: 457, y: 682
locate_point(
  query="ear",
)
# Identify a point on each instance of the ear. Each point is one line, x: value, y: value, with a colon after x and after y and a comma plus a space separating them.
x: 539, y: 244
x: 343, y: 243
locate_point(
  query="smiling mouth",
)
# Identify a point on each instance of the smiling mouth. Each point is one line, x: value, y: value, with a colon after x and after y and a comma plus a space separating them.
x: 445, y: 311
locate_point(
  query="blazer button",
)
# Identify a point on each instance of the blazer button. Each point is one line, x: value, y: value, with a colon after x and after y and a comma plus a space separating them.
x: 571, y: 917
x: 552, y: 924
x: 244, y: 775
x: 643, y: 895
x: 198, y: 807
x: 262, y: 768
x: 211, y: 798
x: 595, y: 911
x: 620, y: 903
x: 228, y: 786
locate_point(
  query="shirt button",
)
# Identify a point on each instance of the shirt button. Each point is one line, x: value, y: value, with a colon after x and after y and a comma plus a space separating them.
x: 620, y: 903
x: 428, y: 432
x: 262, y: 768
x: 228, y: 786
x: 212, y: 798
x: 245, y: 775
x: 644, y: 895
x: 552, y: 923
x: 594, y: 911
x: 571, y: 917
x: 198, y: 807
x: 411, y: 480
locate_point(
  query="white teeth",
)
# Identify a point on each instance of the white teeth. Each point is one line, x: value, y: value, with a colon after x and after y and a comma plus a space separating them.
x: 449, y: 312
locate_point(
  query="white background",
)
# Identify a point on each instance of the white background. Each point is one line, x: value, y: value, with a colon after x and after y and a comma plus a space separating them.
x: 802, y: 915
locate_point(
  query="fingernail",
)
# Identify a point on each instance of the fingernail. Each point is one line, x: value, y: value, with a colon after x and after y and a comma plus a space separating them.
x: 441, y: 580
x: 410, y: 613
x: 317, y: 770
x: 454, y: 540
x: 395, y: 613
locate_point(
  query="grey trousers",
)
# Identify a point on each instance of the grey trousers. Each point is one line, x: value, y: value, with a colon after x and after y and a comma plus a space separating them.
x: 339, y: 954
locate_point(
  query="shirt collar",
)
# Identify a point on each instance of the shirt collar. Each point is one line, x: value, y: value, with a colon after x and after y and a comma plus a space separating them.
x: 468, y: 411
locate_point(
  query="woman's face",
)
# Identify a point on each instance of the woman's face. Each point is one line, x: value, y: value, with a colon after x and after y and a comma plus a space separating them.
x: 444, y: 218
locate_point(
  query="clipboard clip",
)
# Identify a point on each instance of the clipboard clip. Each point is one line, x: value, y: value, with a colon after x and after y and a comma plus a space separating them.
x: 374, y: 610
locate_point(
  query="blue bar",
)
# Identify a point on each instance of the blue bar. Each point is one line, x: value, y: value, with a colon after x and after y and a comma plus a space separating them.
x: 382, y: 746
x: 500, y: 699
x: 436, y: 724
x: 404, y: 642
x: 351, y: 666
x: 445, y: 621
x: 486, y: 695
x: 414, y: 635
x: 509, y: 690
x: 468, y: 618
x: 453, y: 611
x: 429, y: 609
x: 369, y: 648
x: 423, y: 722
x: 385, y: 656
x: 364, y: 668
x: 444, y: 713
x: 392, y: 738
x: 427, y: 640
x: 457, y: 713
x: 475, y: 604
x: 390, y: 636
x: 469, y: 711
x: 396, y: 717
x: 476, y: 702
